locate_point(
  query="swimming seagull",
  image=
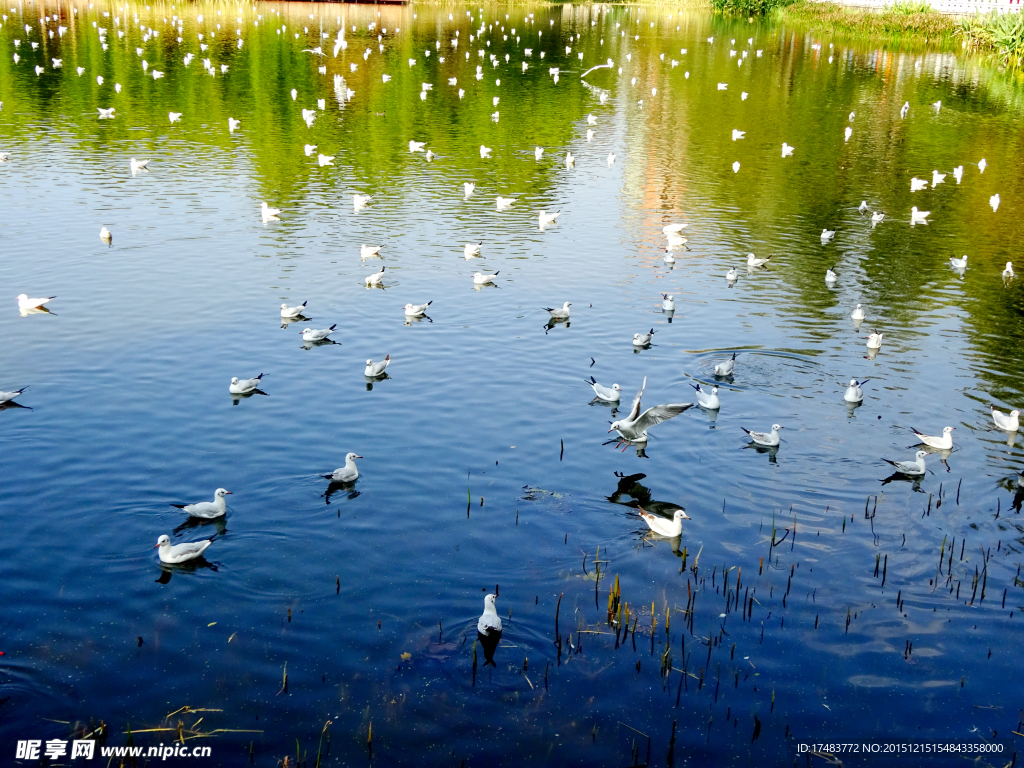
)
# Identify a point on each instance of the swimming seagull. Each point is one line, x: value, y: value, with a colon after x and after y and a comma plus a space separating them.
x: 611, y: 159
x: 831, y: 275
x: 105, y: 235
x: 904, y: 109
x: 643, y: 339
x: 667, y: 303
x: 504, y: 202
x: 570, y: 160
x: 559, y: 314
x: 1009, y: 423
x: 858, y: 313
x: 546, y: 218
x: 268, y: 213
x: 663, y: 527
x: 369, y: 251
x: 634, y: 427
x: 736, y: 135
x: 138, y: 165
x: 416, y: 310
x: 959, y: 264
x: 471, y: 249
x: 917, y: 184
x: 105, y: 114
x: 233, y: 124
x: 207, y: 509
x: 787, y: 150
x: 876, y: 217
x: 706, y: 399
x: 481, y: 279
x: 24, y: 302
x: 736, y: 167
x: 731, y: 275
x: 244, y: 386
x: 608, y: 394
x: 938, y: 178
x: 323, y: 160
x: 1008, y: 270
x: 312, y: 334
x: 373, y: 370
x: 848, y: 133
x: 485, y: 151
x: 944, y: 443
x: 958, y: 173
x: 854, y: 394
x: 6, y: 397
x: 915, y: 467
x: 309, y: 149
x: 174, y: 117
x: 416, y: 146
x: 489, y: 623
x: 348, y: 473
x: 725, y: 368
x: 468, y: 187
x: 375, y: 279
x: 769, y: 439
x: 994, y: 202
x: 863, y: 207
x: 295, y: 311
x: 875, y: 340
x: 360, y: 201
x: 918, y: 217
x: 827, y: 234
x: 674, y: 229
x: 982, y: 164
x: 753, y: 261
x: 180, y: 553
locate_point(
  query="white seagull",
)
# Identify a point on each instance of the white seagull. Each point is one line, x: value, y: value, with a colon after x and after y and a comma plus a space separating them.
x: 244, y: 386
x: 348, y: 473
x: 207, y: 509
x: 268, y: 213
x: 369, y: 251
x: 858, y: 313
x: 504, y: 202
x: 417, y: 146
x: 1008, y: 270
x: 105, y: 235
x: 960, y: 264
x: 827, y: 234
x: 753, y: 261
x: 633, y: 428
x: 373, y: 370
x: 725, y: 368
x: 787, y: 150
x: 877, y: 217
x: 468, y: 187
x: 138, y: 165
x: 376, y: 278
x: 6, y: 397
x: 24, y: 302
x: 489, y: 623
x: 769, y: 439
x: 915, y: 467
x: 470, y: 250
x: 663, y: 527
x: 608, y: 394
x: 918, y: 217
x: 917, y: 184
x: 1009, y: 423
x: 875, y: 340
x: 546, y: 218
x: 481, y: 279
x: 667, y: 302
x: 643, y: 339
x: 312, y: 334
x: 180, y: 553
x: 943, y: 443
x: 559, y: 314
x: 854, y: 394
x: 416, y: 310
x: 707, y: 400
x: 831, y: 275
x: 295, y: 311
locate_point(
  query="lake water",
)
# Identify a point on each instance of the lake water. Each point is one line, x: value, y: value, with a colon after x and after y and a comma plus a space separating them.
x: 484, y: 462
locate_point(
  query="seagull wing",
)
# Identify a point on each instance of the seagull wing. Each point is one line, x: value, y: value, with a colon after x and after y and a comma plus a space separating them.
x: 658, y: 414
x: 634, y: 411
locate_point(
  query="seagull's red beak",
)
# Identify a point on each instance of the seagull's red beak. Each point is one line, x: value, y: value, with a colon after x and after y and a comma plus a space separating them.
x: 156, y: 546
x: 359, y: 457
x: 227, y: 493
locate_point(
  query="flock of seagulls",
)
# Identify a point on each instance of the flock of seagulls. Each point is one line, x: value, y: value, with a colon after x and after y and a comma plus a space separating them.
x: 634, y: 427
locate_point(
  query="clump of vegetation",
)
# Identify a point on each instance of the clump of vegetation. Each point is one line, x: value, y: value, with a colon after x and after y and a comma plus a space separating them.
x: 1002, y: 33
x: 749, y: 7
x: 903, y: 22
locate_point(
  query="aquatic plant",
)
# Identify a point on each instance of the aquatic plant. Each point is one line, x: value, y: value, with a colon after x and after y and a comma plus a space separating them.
x: 749, y: 7
x: 899, y: 23
x: 1003, y: 33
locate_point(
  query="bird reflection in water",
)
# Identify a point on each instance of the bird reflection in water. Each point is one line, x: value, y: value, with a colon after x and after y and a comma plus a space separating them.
x: 639, y: 497
x: 189, y: 567
x: 371, y: 380
x: 236, y: 398
x: 772, y: 451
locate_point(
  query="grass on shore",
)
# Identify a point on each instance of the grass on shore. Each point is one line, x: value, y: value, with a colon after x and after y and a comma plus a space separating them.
x: 896, y: 23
